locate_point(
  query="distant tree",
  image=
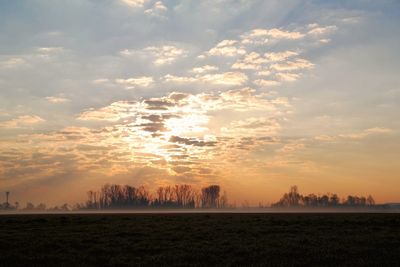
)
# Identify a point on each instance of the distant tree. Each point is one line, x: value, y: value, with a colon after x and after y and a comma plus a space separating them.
x: 165, y: 197
x: 65, y: 207
x: 291, y: 199
x: 184, y: 196
x: 294, y: 196
x: 223, y: 201
x: 41, y: 206
x: 245, y: 204
x: 78, y: 206
x: 91, y: 203
x: 323, y: 201
x: 310, y: 200
x: 370, y: 201
x: 29, y: 206
x: 334, y: 200
x: 210, y: 196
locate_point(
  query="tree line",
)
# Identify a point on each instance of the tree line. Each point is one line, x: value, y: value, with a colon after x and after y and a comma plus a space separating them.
x: 294, y: 199
x: 115, y: 196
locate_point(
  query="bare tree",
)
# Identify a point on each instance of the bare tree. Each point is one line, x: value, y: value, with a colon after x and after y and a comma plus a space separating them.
x: 210, y: 196
x: 223, y: 201
x: 370, y: 201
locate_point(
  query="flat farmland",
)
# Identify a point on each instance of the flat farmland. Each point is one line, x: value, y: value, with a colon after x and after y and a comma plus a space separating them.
x: 201, y: 239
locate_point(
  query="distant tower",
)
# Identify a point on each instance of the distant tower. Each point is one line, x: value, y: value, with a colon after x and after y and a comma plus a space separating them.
x: 7, y: 204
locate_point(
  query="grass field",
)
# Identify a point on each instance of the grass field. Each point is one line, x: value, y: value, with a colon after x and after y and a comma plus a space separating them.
x: 200, y: 240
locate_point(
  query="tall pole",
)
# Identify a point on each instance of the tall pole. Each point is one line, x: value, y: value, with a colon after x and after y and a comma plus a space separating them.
x: 7, y: 204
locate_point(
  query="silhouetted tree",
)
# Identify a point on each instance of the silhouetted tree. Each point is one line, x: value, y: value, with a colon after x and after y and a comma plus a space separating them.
x: 370, y: 201
x: 223, y: 201
x: 210, y: 196
x: 294, y: 199
x: 29, y: 206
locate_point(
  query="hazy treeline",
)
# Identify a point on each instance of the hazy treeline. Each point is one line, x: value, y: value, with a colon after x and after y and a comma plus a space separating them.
x: 294, y: 199
x: 115, y: 196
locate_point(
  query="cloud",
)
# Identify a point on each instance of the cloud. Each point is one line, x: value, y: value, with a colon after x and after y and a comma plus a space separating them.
x: 290, y: 77
x: 264, y: 73
x: 179, y: 79
x: 134, y: 3
x: 205, y: 68
x: 50, y: 50
x: 56, y: 99
x: 291, y: 148
x: 171, y: 107
x: 132, y: 83
x: 280, y: 56
x: 227, y: 48
x: 316, y: 30
x: 253, y: 127
x: 226, y: 78
x: 157, y: 10
x: 298, y: 63
x: 356, y: 135
x: 101, y: 81
x: 21, y: 121
x: 263, y: 36
x: 252, y: 61
x: 171, y: 134
x: 160, y: 55
x: 13, y: 62
x: 114, y: 112
x: 326, y: 138
x: 165, y: 54
x: 191, y: 141
x: 266, y: 83
x: 367, y: 132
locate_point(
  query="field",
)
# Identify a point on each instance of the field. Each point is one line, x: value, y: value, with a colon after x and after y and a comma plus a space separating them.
x: 271, y: 239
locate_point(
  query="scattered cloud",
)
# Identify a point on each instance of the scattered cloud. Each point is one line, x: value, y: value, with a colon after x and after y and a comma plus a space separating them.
x: 157, y: 10
x: 315, y: 29
x: 160, y: 55
x: 266, y: 83
x: 264, y: 73
x: 13, y: 62
x: 134, y: 3
x: 205, y: 68
x: 354, y: 136
x: 228, y: 48
x: 293, y: 65
x: 21, y: 121
x: 226, y: 78
x: 280, y: 56
x: 132, y: 83
x: 253, y: 126
x: 101, y: 81
x: 263, y: 36
x: 252, y: 61
x: 366, y: 133
x: 290, y: 77
x: 56, y: 99
x: 50, y: 50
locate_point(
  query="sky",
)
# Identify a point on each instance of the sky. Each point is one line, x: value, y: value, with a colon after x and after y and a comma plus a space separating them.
x: 255, y: 96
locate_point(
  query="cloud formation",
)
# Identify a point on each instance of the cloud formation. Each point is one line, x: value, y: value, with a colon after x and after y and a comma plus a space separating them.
x: 132, y: 83
x: 160, y: 55
x: 21, y: 121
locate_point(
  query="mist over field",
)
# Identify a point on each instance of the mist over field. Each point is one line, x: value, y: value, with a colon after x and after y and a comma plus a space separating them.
x: 254, y: 96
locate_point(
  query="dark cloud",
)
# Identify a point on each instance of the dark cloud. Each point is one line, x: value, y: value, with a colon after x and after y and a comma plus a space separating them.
x: 191, y: 141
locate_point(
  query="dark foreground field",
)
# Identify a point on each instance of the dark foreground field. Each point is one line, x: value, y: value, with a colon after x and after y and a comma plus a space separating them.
x: 200, y: 240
